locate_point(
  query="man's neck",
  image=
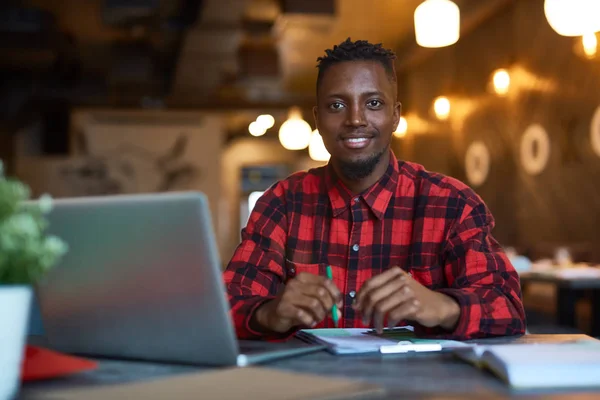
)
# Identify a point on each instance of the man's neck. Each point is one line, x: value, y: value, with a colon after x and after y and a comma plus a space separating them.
x: 360, y: 185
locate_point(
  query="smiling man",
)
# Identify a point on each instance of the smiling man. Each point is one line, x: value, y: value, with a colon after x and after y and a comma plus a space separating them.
x: 406, y: 246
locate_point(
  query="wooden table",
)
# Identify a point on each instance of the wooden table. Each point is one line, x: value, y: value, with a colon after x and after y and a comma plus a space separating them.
x: 568, y: 291
x: 416, y: 376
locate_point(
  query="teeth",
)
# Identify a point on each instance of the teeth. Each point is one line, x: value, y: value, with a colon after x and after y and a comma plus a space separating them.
x: 357, y: 140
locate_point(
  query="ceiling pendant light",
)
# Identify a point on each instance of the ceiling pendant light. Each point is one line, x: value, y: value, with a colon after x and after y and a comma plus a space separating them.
x: 295, y: 132
x: 573, y: 17
x: 266, y: 121
x: 437, y: 23
x: 501, y: 81
x: 255, y: 129
x: 441, y: 107
x: 401, y: 129
x: 316, y: 148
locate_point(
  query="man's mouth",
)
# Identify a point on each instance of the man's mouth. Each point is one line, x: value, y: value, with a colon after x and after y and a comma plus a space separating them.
x: 356, y: 142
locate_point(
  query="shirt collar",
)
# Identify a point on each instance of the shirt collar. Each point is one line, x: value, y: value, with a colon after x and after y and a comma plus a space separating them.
x: 377, y: 197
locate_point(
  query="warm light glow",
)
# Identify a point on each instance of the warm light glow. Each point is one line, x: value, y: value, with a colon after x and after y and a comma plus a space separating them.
x: 417, y: 124
x: 590, y: 44
x: 401, y: 128
x: 524, y: 80
x: 441, y: 106
x: 437, y: 23
x: 316, y: 148
x: 501, y: 81
x: 266, y: 121
x: 573, y: 17
x: 295, y: 133
x: 255, y: 129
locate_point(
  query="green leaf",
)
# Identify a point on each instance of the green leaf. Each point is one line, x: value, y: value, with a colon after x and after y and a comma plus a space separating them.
x: 26, y: 252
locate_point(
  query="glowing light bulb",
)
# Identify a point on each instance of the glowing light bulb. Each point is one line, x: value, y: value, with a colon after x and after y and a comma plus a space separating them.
x: 401, y: 128
x: 256, y: 129
x: 437, y: 23
x: 441, y: 106
x: 266, y: 121
x: 295, y: 133
x: 590, y: 44
x: 501, y: 81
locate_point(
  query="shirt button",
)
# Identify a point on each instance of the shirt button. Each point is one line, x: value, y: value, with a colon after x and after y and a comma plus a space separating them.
x: 292, y: 270
x: 355, y: 247
x: 352, y: 293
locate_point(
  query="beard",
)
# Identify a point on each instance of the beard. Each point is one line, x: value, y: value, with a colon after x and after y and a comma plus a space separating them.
x: 360, y: 169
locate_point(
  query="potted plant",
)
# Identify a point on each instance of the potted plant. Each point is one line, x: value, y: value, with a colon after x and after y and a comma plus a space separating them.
x: 26, y: 253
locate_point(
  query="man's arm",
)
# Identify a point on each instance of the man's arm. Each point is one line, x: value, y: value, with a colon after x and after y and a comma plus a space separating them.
x: 255, y: 273
x: 481, y: 279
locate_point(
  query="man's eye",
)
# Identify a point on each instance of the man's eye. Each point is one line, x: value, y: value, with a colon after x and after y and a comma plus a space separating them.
x: 375, y: 103
x: 336, y: 105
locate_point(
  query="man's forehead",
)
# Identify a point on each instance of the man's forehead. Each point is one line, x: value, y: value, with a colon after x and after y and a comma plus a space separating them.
x: 347, y: 73
x: 356, y: 67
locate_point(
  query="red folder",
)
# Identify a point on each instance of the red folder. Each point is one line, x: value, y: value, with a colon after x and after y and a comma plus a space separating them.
x: 40, y: 363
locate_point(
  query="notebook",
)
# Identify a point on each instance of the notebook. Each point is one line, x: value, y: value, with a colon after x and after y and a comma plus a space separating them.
x: 534, y: 366
x: 40, y: 363
x: 228, y: 384
x: 364, y: 341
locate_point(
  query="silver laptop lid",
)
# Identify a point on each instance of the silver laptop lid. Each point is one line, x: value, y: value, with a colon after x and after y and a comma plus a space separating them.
x: 142, y: 280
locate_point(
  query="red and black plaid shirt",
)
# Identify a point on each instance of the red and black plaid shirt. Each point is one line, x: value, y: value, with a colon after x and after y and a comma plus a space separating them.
x: 432, y: 226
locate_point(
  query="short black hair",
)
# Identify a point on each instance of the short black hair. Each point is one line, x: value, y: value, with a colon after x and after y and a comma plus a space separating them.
x: 360, y: 50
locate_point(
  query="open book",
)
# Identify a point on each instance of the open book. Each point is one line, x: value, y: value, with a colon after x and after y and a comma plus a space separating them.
x: 534, y: 366
x: 360, y: 341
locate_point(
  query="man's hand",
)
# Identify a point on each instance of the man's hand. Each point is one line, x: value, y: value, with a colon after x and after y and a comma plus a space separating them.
x: 395, y: 295
x: 305, y: 301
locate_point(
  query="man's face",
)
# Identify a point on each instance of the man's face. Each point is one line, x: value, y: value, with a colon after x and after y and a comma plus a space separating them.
x: 356, y: 114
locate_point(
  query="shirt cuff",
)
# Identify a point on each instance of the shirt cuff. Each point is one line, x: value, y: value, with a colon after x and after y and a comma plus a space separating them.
x: 467, y: 326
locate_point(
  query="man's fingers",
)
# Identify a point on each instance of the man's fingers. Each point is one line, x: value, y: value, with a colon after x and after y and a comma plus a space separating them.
x: 407, y: 310
x: 311, y: 279
x: 375, y: 283
x: 386, y: 306
x: 313, y: 299
x: 334, y: 292
x: 295, y: 315
x: 321, y: 293
x: 314, y: 306
x: 391, y: 288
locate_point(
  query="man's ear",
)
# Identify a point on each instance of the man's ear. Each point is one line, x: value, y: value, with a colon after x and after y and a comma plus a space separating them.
x: 315, y: 116
x: 397, y: 113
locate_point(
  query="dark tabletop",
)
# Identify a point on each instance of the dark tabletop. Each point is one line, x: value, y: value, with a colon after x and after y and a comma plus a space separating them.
x: 414, y: 376
x: 570, y: 283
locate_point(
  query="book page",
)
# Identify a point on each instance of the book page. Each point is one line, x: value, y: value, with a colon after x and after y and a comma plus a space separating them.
x: 580, y: 353
x: 356, y: 340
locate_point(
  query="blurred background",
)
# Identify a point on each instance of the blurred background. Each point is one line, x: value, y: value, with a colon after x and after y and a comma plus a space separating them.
x: 103, y: 97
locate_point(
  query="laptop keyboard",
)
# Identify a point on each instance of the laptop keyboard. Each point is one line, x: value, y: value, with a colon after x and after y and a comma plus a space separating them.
x: 254, y: 347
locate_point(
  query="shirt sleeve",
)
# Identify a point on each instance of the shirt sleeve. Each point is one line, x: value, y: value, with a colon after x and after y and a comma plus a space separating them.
x: 481, y: 279
x: 255, y: 273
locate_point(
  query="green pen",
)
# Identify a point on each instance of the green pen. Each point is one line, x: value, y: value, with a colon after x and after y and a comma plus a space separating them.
x: 334, y: 310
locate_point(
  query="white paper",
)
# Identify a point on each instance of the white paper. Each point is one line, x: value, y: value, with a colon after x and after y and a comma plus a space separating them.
x: 356, y: 341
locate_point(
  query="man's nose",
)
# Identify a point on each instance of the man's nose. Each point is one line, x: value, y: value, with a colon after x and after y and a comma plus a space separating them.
x: 356, y: 117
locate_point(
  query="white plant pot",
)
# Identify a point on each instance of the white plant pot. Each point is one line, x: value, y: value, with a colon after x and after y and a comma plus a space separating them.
x: 15, y: 304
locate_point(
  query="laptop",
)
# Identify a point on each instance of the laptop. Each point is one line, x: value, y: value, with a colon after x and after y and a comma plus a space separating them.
x: 142, y: 280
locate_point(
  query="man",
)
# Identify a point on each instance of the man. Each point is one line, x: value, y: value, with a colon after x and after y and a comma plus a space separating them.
x: 406, y: 246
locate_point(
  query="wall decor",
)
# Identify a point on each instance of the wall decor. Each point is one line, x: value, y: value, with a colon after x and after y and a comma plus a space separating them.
x: 595, y: 132
x: 535, y: 149
x: 477, y: 163
x: 131, y: 168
